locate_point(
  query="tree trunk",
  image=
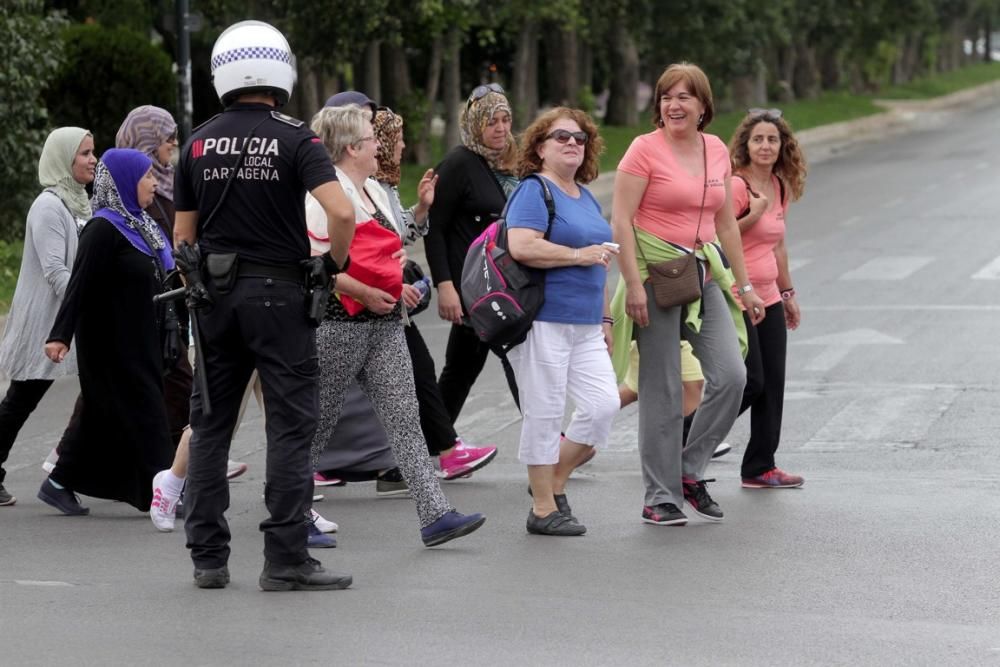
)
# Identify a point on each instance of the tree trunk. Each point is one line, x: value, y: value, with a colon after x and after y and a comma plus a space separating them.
x: 371, y: 82
x: 622, y: 106
x: 786, y: 57
x: 396, y: 87
x: 451, y: 87
x: 563, y: 68
x: 524, y: 88
x: 805, y: 81
x: 309, y: 98
x: 422, y: 147
x: 987, y: 37
x: 829, y: 68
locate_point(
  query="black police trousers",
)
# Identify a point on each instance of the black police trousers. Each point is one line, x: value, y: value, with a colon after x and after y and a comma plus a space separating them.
x: 260, y: 324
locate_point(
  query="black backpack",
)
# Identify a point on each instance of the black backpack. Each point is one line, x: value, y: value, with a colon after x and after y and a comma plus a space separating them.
x: 501, y: 295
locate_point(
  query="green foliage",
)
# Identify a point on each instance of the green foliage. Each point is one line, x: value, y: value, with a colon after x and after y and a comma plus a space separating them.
x: 108, y: 72
x: 10, y: 266
x: 31, y: 53
x: 936, y: 85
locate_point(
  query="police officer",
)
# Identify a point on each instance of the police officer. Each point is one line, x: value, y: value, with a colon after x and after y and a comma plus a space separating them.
x: 240, y: 193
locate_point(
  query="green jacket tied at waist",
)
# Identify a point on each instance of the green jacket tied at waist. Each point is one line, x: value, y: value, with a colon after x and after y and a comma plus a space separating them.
x: 656, y: 250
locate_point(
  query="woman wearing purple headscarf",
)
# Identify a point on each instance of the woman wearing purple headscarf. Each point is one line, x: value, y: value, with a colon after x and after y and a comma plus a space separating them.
x: 121, y: 438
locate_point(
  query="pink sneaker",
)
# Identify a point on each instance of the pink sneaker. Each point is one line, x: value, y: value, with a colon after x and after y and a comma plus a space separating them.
x: 319, y: 479
x: 163, y: 510
x: 464, y: 460
x: 775, y: 478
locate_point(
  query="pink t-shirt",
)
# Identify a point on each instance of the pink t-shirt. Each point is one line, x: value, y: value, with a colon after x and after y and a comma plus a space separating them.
x: 670, y: 205
x: 760, y: 239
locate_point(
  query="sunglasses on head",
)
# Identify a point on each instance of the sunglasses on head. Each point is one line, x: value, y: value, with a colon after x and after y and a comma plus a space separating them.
x: 757, y: 112
x: 479, y: 92
x: 563, y: 137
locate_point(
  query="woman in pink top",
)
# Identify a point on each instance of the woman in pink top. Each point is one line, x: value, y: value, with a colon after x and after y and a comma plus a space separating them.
x: 769, y: 172
x: 671, y: 186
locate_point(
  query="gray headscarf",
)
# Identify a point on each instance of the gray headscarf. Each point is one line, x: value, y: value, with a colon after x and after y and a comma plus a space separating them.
x: 55, y: 169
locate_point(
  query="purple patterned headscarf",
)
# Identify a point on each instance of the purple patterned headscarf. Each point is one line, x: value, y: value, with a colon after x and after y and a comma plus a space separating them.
x: 116, y: 199
x: 145, y: 129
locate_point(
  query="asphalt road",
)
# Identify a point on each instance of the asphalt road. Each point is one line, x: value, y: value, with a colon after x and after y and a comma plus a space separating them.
x: 887, y: 556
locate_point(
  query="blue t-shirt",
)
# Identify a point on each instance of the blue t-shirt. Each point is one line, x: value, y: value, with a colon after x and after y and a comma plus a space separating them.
x: 573, y: 294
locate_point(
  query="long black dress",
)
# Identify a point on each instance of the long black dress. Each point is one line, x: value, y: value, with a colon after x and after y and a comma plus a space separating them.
x: 122, y: 437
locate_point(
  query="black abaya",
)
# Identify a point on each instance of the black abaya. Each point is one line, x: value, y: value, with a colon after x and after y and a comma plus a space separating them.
x: 122, y: 437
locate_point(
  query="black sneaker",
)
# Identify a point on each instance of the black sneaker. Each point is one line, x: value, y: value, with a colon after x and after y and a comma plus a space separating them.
x: 696, y: 495
x: 664, y: 514
x: 307, y: 576
x: 562, y: 503
x: 556, y: 523
x: 5, y: 498
x: 211, y: 577
x: 62, y: 499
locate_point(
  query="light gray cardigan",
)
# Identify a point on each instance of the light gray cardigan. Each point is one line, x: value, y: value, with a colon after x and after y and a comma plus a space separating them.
x: 50, y: 241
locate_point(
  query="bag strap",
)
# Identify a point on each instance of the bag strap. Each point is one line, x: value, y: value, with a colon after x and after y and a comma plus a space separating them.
x: 701, y: 210
x: 550, y: 204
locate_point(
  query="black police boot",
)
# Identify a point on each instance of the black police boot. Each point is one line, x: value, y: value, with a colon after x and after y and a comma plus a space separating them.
x: 307, y: 576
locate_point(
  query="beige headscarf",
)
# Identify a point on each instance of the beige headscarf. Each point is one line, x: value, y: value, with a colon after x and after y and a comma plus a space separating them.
x: 474, y: 119
x: 55, y: 169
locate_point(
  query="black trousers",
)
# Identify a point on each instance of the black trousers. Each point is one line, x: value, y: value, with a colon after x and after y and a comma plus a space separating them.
x: 464, y: 358
x: 260, y: 324
x: 764, y: 394
x: 21, y: 400
x: 435, y: 421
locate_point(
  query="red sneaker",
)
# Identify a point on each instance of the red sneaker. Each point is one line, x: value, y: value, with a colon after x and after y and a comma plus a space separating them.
x: 775, y: 478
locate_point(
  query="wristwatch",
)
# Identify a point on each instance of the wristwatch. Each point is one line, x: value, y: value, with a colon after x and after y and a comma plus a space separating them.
x: 746, y: 289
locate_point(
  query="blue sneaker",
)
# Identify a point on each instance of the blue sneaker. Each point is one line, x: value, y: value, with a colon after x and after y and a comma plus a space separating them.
x: 318, y: 540
x: 449, y: 526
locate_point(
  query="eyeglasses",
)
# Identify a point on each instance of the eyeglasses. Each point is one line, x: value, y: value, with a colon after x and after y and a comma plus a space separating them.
x: 479, y: 92
x: 364, y: 139
x: 172, y: 139
x: 563, y: 137
x: 757, y: 112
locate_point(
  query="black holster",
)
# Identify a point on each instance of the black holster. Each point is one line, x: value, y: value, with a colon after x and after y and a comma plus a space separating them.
x: 223, y: 268
x: 317, y: 284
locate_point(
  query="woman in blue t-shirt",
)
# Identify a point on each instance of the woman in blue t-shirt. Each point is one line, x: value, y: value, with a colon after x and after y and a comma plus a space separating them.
x: 567, y: 350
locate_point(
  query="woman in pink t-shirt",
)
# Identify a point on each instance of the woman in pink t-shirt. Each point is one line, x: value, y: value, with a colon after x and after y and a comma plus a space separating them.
x: 769, y: 171
x: 671, y: 186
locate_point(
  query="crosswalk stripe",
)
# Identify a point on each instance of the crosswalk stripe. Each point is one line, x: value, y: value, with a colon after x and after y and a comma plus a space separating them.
x: 989, y: 272
x: 887, y: 268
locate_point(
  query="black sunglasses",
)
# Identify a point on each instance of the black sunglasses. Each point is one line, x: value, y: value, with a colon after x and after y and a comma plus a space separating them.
x: 757, y: 112
x: 563, y: 137
x: 479, y: 92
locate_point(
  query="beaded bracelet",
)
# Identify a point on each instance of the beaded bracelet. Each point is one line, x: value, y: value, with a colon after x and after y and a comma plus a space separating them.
x: 787, y: 294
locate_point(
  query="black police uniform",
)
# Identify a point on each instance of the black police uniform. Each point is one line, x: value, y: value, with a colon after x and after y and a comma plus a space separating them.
x: 260, y: 323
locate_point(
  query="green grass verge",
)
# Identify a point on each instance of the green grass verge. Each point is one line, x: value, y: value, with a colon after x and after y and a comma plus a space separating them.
x: 10, y: 265
x: 944, y: 84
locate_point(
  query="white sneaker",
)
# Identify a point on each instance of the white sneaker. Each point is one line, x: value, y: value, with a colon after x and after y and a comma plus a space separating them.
x: 49, y: 464
x: 234, y: 469
x: 322, y: 525
x: 163, y: 510
x: 722, y: 449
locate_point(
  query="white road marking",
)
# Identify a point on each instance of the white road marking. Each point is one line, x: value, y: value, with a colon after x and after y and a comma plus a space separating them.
x: 899, y: 418
x: 989, y: 272
x: 840, y: 345
x: 851, y: 221
x: 892, y: 203
x: 798, y: 263
x: 888, y: 268
x: 33, y: 582
x: 898, y: 307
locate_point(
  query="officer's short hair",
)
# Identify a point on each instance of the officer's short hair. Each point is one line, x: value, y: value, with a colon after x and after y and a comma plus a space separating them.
x: 340, y: 127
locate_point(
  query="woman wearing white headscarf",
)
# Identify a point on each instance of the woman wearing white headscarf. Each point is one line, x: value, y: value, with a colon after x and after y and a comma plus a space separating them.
x: 50, y: 240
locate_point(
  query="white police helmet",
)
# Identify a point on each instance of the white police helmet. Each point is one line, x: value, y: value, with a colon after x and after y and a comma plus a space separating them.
x: 250, y: 57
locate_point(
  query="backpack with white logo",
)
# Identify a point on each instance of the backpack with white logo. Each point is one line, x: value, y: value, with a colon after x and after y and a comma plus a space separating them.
x: 502, y: 296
